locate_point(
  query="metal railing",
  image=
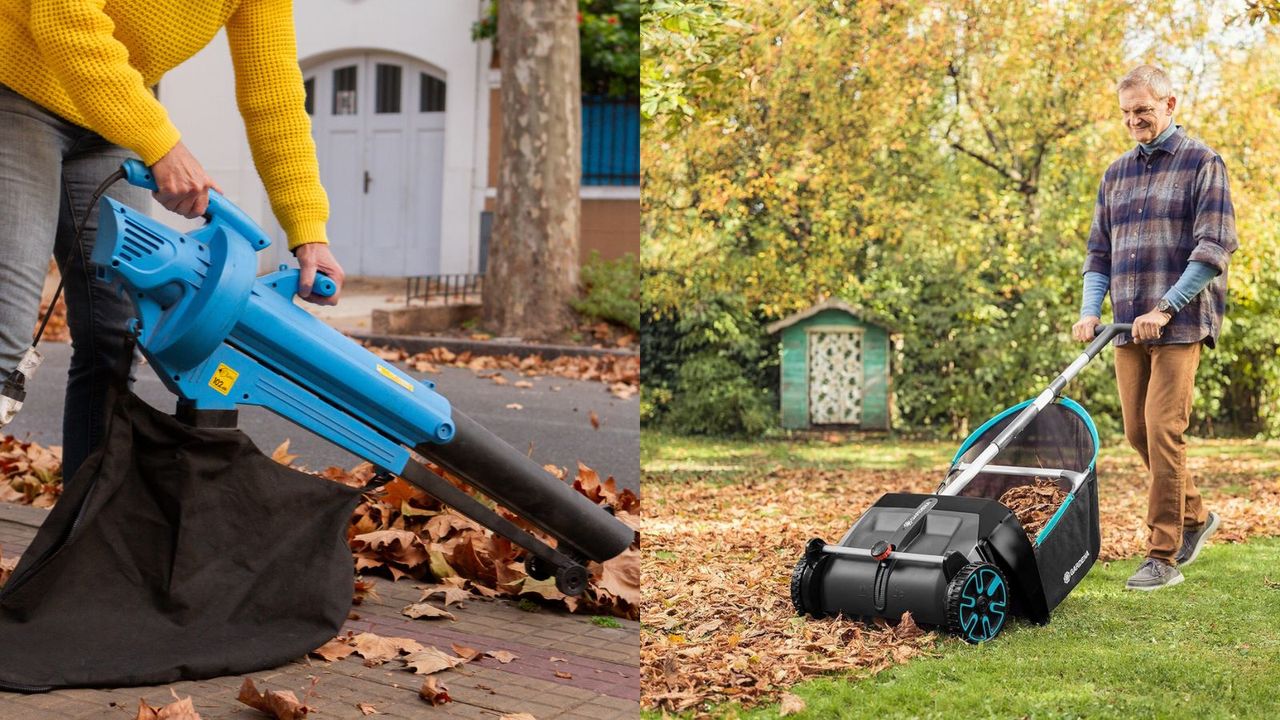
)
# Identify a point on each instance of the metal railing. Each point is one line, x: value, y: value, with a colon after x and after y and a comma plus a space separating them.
x: 459, y: 287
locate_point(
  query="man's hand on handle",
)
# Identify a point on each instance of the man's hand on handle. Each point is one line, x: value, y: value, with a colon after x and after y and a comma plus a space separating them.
x: 313, y: 257
x: 1083, y: 329
x: 182, y: 182
x: 1149, y: 326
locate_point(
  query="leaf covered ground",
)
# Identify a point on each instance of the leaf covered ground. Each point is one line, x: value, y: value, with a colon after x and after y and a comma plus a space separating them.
x: 721, y: 541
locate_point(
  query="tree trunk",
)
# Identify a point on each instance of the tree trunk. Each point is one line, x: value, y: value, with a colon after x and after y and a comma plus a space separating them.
x: 533, y: 255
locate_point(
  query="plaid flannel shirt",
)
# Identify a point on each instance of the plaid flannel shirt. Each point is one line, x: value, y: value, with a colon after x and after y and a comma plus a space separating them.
x: 1156, y: 213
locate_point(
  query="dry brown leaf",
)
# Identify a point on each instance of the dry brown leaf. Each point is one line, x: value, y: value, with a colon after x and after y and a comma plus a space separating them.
x: 523, y: 384
x: 431, y: 660
x: 564, y: 675
x: 499, y: 380
x: 502, y: 656
x: 434, y: 692
x: 514, y: 406
x: 518, y: 716
x: 335, y: 649
x: 179, y: 709
x: 466, y: 653
x: 366, y: 709
x: 451, y: 594
x: 595, y: 420
x: 280, y: 704
x: 282, y: 455
x: 376, y: 649
x: 791, y: 705
x: 426, y: 610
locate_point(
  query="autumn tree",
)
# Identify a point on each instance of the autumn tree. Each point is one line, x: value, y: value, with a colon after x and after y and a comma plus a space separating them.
x: 533, y: 254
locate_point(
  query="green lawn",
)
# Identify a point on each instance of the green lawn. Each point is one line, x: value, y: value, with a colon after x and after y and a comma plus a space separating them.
x: 1207, y: 648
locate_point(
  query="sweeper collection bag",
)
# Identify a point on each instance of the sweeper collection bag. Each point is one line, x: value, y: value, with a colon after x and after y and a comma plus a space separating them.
x: 176, y: 553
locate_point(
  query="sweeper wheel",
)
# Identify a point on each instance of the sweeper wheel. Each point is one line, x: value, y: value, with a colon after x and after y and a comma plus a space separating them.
x: 799, y: 577
x: 977, y: 602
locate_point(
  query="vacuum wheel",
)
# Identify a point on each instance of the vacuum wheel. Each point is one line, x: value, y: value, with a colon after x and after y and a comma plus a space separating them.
x: 572, y: 580
x: 977, y: 602
x: 536, y: 568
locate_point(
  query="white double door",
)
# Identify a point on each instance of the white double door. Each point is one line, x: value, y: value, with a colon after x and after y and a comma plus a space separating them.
x: 378, y: 123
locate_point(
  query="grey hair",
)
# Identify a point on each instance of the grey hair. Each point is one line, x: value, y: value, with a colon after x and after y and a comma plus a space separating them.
x: 1150, y: 77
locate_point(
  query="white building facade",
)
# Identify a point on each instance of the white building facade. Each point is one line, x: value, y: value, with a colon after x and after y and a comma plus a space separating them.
x: 399, y: 98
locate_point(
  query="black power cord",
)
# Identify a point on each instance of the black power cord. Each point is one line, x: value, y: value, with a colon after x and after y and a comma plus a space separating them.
x: 15, y: 384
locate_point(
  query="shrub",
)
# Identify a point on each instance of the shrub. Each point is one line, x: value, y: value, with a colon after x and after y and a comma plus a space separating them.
x: 611, y: 290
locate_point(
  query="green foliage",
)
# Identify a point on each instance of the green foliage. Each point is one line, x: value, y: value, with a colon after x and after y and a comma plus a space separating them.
x: 611, y: 290
x: 683, y: 44
x: 937, y: 163
x: 714, y: 397
x: 609, y: 43
x: 606, y: 622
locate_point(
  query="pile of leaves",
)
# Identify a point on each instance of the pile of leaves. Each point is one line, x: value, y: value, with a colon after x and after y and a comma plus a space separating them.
x: 30, y: 474
x: 56, y: 330
x: 1034, y: 504
x: 402, y: 531
x: 717, y: 621
x: 621, y: 373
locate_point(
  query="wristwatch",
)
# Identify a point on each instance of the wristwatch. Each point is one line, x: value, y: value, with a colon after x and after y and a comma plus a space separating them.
x: 1165, y: 307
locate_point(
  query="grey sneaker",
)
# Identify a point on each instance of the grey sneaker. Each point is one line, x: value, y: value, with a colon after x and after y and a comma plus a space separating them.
x: 1154, y: 574
x: 1193, y: 541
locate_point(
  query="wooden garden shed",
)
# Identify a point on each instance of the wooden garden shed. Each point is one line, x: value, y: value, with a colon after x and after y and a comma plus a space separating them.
x: 836, y: 363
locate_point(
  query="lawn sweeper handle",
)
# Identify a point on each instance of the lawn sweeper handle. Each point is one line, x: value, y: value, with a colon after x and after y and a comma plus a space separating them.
x: 1103, y: 335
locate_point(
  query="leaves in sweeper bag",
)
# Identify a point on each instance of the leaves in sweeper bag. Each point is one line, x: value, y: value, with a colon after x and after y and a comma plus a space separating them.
x: 280, y: 704
x: 1034, y: 504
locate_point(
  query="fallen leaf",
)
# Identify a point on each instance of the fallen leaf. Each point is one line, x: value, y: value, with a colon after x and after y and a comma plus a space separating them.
x: 523, y: 384
x: 433, y: 692
x: 335, y: 649
x: 559, y: 659
x: 376, y: 649
x: 366, y: 709
x: 451, y: 594
x: 595, y: 420
x: 514, y: 406
x: 467, y: 654
x: 280, y: 704
x: 791, y: 705
x: 518, y: 716
x: 426, y: 610
x: 502, y: 656
x: 179, y: 709
x: 499, y: 380
x: 431, y: 660
x: 281, y: 454
x: 564, y: 675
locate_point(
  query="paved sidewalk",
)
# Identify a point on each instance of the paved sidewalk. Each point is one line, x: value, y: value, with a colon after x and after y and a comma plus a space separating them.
x: 602, y: 665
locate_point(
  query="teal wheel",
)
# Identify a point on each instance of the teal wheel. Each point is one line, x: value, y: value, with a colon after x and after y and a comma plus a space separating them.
x: 977, y: 602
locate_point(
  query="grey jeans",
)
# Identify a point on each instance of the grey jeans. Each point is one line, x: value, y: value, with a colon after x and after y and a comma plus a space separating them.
x: 49, y: 169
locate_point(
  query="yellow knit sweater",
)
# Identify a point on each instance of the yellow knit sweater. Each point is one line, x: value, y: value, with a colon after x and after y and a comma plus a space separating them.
x: 91, y: 62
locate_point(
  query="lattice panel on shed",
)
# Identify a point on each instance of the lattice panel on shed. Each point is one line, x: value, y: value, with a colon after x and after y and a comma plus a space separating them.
x: 835, y: 377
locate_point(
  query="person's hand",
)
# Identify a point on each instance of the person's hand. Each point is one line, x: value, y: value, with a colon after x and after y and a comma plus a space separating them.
x: 1149, y: 326
x: 183, y: 186
x: 313, y: 257
x: 1083, y: 329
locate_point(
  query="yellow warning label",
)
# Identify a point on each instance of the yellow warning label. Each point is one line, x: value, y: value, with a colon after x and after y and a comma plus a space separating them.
x: 223, y: 378
x: 395, y: 378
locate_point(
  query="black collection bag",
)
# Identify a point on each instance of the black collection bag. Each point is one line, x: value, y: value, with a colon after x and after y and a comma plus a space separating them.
x: 176, y: 553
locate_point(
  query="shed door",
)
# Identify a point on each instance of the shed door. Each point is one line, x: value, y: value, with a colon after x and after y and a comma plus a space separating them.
x: 378, y: 123
x: 835, y: 377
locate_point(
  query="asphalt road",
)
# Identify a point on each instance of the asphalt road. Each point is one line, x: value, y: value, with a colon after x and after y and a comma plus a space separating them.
x: 554, y: 420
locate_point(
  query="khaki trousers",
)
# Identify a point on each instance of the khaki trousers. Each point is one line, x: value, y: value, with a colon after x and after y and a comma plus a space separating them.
x: 1156, y: 383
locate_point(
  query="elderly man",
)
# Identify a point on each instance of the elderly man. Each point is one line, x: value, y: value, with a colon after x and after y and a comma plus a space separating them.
x: 74, y: 79
x: 1163, y: 233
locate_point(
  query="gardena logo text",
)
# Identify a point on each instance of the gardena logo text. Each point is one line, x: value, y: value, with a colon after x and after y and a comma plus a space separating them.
x: 1066, y: 576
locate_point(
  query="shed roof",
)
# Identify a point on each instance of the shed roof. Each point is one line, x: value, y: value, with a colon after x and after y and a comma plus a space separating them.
x: 829, y: 304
